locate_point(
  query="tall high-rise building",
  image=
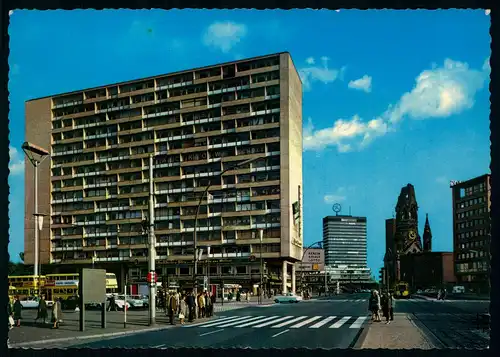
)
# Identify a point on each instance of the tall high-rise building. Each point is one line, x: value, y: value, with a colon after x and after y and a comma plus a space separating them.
x: 344, y: 241
x: 471, y: 232
x: 199, y: 124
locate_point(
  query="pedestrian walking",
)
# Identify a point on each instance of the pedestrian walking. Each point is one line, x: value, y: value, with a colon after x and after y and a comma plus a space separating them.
x: 18, y: 308
x: 374, y: 306
x: 390, y: 302
x: 190, y: 300
x: 201, y: 305
x: 173, y: 308
x: 112, y: 304
x: 42, y: 312
x: 56, y: 313
x: 182, y: 309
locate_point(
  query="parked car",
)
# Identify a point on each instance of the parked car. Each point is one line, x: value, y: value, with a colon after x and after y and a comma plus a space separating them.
x: 289, y: 298
x: 135, y: 301
x: 120, y: 302
x: 31, y: 302
x: 145, y: 300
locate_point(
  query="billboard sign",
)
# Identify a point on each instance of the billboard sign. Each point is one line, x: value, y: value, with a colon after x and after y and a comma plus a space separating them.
x: 93, y: 288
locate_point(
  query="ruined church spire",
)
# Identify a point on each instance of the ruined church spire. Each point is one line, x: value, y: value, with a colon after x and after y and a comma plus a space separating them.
x: 427, y: 238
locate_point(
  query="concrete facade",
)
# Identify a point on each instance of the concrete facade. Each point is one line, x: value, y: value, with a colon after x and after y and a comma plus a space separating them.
x: 197, y: 123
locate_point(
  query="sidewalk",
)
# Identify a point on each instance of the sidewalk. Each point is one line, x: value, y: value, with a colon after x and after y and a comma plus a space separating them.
x: 401, y: 333
x: 40, y: 335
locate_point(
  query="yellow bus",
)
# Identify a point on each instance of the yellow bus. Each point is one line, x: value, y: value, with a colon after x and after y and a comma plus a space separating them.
x: 66, y: 285
x: 25, y: 285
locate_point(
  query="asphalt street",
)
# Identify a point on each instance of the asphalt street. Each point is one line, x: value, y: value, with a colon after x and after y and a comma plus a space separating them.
x: 334, y: 322
x: 449, y: 323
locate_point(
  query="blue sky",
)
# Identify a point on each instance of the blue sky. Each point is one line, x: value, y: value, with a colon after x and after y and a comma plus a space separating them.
x: 390, y: 97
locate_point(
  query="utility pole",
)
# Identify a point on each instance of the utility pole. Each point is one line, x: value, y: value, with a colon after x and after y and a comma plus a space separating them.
x: 152, y: 246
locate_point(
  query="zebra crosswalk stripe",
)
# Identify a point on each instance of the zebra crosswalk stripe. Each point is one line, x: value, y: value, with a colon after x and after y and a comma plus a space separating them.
x: 308, y: 321
x: 209, y: 322
x: 324, y: 322
x: 290, y: 322
x: 359, y: 322
x: 216, y: 323
x: 256, y: 322
x: 340, y: 322
x: 233, y: 323
x: 272, y: 322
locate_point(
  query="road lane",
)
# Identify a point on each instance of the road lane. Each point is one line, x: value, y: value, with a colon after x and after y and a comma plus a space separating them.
x: 281, y: 326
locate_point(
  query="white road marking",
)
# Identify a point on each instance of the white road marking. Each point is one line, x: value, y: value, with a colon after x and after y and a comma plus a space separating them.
x: 290, y: 321
x: 213, y: 321
x: 256, y: 322
x: 359, y: 322
x: 213, y: 324
x: 209, y: 333
x: 308, y: 321
x: 324, y: 322
x: 232, y: 323
x: 280, y: 333
x: 340, y: 322
x: 272, y: 322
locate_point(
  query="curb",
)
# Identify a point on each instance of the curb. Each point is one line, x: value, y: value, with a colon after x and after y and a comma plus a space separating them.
x: 88, y: 337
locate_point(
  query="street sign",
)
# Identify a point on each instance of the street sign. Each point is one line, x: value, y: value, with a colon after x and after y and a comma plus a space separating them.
x: 152, y: 277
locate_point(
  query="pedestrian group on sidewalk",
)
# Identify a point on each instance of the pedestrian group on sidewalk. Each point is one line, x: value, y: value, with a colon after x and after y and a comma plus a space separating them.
x: 384, y: 304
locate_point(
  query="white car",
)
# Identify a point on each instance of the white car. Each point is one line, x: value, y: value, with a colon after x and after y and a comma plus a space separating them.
x: 289, y: 298
x: 135, y: 301
x: 120, y: 302
x: 31, y: 302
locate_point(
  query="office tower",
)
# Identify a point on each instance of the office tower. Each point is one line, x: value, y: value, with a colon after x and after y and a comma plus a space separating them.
x: 471, y: 232
x: 344, y: 241
x: 200, y: 125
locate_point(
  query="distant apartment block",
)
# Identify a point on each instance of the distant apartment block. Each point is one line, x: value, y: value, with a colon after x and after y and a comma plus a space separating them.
x: 472, y: 232
x: 198, y: 124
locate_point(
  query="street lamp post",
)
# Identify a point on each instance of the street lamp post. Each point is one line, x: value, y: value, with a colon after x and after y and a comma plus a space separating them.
x: 261, y: 237
x: 195, y: 240
x: 36, y: 155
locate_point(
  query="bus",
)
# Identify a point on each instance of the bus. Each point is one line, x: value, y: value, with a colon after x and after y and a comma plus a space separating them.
x: 66, y: 285
x: 402, y: 290
x: 25, y: 286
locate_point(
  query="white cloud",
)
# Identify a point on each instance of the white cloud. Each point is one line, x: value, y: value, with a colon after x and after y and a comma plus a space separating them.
x: 340, y: 195
x: 16, y: 163
x: 320, y: 73
x: 342, y: 134
x: 364, y: 83
x: 438, y: 93
x: 333, y: 199
x: 224, y: 35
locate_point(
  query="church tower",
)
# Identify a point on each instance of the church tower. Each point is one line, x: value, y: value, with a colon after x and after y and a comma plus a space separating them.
x: 407, y: 239
x: 427, y: 235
